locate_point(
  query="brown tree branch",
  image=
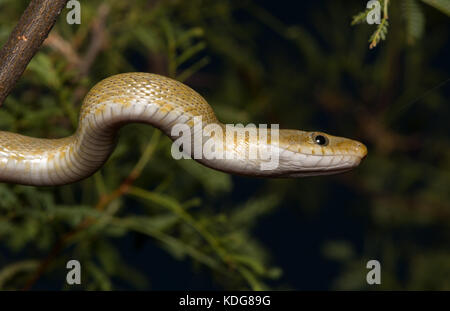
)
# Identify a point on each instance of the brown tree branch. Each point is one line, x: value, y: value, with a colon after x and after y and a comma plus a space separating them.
x: 26, y: 38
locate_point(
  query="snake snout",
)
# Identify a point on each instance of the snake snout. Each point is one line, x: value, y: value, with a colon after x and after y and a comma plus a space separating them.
x: 360, y: 149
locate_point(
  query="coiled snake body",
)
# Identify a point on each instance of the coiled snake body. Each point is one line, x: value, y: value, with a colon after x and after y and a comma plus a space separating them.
x: 161, y: 102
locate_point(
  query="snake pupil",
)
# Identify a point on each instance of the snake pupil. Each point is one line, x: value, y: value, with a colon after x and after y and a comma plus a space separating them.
x: 321, y: 140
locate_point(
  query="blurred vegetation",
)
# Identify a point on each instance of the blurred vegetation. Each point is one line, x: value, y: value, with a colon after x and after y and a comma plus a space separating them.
x: 412, y: 13
x: 253, y: 66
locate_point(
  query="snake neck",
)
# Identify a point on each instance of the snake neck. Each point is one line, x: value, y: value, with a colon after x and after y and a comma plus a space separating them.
x: 205, y: 139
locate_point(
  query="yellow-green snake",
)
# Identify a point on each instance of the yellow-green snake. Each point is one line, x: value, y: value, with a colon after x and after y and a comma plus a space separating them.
x: 161, y: 102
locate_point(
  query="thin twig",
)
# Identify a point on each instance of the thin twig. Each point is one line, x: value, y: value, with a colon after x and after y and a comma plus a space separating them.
x: 98, y: 39
x: 25, y: 40
x: 376, y: 36
x: 55, y: 41
x: 82, y: 63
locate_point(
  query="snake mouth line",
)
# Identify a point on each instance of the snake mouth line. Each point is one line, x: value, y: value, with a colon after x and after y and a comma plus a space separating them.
x: 360, y: 155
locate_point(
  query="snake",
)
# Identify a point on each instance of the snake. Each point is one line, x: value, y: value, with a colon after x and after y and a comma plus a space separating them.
x: 164, y: 103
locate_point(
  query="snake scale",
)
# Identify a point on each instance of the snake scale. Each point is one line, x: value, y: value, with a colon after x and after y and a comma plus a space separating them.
x: 161, y: 102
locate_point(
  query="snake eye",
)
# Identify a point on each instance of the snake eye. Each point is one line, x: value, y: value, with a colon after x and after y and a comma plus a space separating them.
x: 320, y: 140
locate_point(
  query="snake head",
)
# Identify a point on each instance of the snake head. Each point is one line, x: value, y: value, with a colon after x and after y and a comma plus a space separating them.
x: 317, y: 153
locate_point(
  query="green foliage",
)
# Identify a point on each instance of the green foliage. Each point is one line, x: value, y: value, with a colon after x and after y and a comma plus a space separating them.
x: 379, y: 34
x: 412, y: 12
x: 39, y: 218
x: 381, y: 28
x: 399, y: 196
